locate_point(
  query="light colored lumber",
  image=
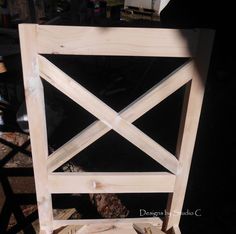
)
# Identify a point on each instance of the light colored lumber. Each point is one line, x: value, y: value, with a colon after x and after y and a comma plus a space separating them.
x: 146, y: 4
x: 61, y: 223
x: 122, y: 42
x: 65, y: 213
x: 43, y: 232
x: 108, y: 116
x: 176, y: 230
x: 188, y: 127
x: 76, y: 144
x: 70, y: 229
x: 147, y: 228
x: 159, y: 92
x: 37, y: 123
x: 157, y: 5
x: 112, y: 182
x: 116, y: 41
x: 143, y: 104
x: 125, y: 228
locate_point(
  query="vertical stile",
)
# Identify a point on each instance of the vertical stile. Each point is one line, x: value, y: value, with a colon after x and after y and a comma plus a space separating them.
x: 34, y: 97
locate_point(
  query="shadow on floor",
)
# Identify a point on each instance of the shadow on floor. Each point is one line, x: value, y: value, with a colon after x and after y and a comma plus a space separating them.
x: 19, y: 204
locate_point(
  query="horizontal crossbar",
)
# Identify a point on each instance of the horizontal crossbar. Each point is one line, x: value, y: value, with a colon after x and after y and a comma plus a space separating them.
x: 116, y: 41
x: 121, y: 228
x: 61, y: 223
x: 112, y: 182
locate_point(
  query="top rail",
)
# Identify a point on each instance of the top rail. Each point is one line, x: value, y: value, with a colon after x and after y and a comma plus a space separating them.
x: 154, y: 42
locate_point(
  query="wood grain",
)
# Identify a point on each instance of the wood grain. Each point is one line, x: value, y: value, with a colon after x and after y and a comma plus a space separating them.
x: 116, y: 41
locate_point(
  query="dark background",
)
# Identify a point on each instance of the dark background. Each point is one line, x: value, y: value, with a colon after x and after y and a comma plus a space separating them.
x: 212, y: 174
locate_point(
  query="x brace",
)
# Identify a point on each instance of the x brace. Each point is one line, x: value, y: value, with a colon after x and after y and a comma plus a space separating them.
x: 108, y: 118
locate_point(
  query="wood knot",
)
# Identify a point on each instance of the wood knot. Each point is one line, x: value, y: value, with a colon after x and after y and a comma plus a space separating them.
x: 96, y: 185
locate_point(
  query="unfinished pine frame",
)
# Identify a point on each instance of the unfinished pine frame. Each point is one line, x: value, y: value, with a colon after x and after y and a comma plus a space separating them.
x: 37, y: 39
